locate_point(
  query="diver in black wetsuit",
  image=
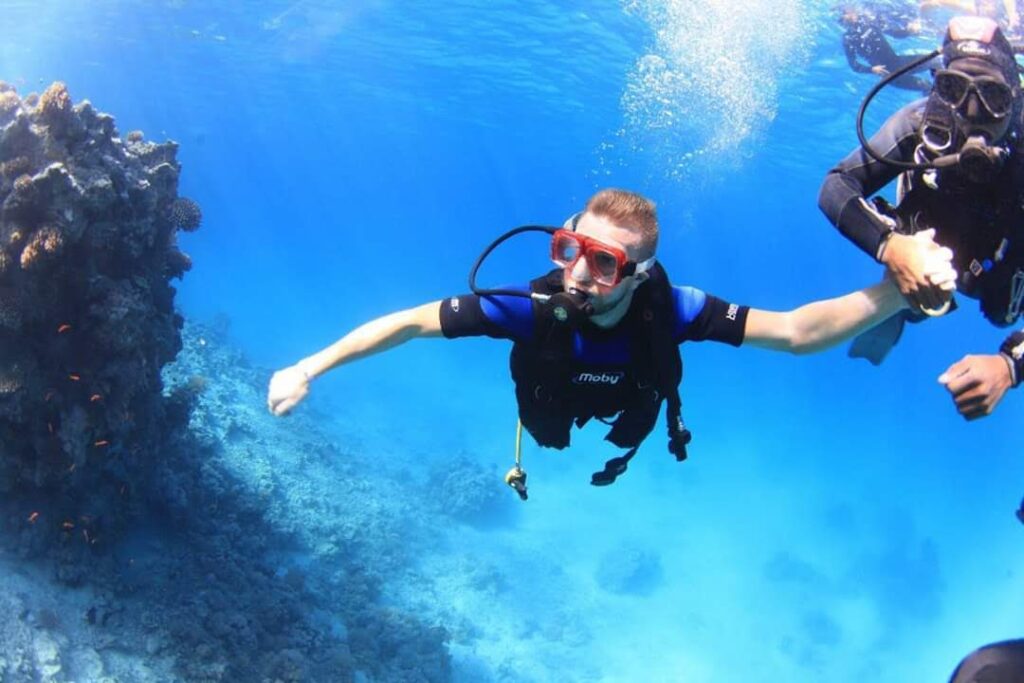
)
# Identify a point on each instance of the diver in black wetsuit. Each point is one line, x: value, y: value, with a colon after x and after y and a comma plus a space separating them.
x: 961, y: 171
x: 868, y: 49
x: 996, y: 663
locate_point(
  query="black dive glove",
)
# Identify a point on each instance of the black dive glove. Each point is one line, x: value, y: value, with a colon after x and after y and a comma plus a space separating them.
x: 1013, y: 350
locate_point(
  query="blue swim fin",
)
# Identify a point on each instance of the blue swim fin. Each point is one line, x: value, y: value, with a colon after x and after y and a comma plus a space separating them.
x: 875, y: 344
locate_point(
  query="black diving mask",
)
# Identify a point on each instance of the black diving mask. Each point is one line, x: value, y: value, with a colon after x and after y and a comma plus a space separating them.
x: 977, y: 158
x: 571, y: 308
x: 953, y: 87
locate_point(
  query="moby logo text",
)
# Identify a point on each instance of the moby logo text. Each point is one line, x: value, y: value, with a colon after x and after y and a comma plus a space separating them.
x: 598, y: 378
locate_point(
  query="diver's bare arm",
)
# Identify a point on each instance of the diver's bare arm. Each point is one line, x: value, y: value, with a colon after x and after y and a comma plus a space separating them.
x: 821, y: 324
x: 288, y: 387
x: 375, y: 336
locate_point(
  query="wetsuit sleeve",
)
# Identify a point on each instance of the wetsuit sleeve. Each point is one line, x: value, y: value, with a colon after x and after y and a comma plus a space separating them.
x: 850, y: 47
x: 701, y: 316
x: 858, y: 176
x: 499, y: 317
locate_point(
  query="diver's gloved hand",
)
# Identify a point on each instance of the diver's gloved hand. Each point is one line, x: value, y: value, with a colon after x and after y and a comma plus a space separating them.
x: 977, y: 384
x: 921, y: 268
x: 287, y: 389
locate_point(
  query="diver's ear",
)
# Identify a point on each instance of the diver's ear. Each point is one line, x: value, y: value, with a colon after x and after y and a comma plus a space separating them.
x: 571, y: 221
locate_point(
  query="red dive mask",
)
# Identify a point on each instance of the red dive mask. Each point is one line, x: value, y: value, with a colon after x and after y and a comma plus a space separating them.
x: 608, y: 264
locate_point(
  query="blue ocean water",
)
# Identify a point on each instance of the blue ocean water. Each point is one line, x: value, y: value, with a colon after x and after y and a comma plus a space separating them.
x: 835, y: 521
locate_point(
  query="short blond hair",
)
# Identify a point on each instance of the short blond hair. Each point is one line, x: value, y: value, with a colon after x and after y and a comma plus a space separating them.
x: 629, y: 210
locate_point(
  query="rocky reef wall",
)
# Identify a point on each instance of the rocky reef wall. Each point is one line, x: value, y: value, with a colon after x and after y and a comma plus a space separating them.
x: 146, y: 533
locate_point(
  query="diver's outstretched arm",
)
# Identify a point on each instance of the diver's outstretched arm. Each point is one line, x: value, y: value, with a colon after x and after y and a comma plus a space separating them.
x: 289, y: 386
x: 821, y: 324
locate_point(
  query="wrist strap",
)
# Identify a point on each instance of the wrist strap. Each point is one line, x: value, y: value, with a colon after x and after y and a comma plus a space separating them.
x: 883, y: 244
x: 1013, y: 350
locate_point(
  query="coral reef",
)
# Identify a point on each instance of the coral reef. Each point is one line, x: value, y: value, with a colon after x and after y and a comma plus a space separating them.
x: 630, y: 570
x: 204, y: 539
x: 86, y: 307
x: 468, y: 492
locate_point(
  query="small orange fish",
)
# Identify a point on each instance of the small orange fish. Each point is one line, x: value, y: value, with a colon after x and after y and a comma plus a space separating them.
x: 101, y: 443
x: 74, y: 378
x: 72, y: 468
x: 85, y: 535
x: 33, y: 517
x: 49, y: 395
x: 68, y: 526
x: 49, y: 426
x: 63, y: 328
x: 94, y: 398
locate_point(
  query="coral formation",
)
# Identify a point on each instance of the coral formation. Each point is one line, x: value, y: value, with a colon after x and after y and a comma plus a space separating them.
x: 630, y: 570
x: 185, y: 214
x: 86, y: 314
x: 468, y: 492
x: 151, y: 488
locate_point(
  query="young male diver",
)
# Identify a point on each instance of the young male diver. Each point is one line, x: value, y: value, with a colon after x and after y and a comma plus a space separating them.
x: 598, y: 337
x: 961, y: 182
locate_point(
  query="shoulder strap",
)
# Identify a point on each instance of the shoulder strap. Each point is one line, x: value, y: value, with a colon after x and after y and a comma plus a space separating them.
x: 659, y: 315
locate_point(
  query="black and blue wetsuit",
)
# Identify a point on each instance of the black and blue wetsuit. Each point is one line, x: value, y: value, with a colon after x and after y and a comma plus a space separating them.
x: 565, y: 377
x: 698, y: 317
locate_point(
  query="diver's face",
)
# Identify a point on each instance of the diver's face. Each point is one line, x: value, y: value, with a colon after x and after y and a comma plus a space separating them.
x: 972, y: 116
x: 579, y: 278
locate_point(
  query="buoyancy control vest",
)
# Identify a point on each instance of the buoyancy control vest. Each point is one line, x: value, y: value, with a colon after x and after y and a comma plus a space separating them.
x: 982, y: 223
x: 554, y: 390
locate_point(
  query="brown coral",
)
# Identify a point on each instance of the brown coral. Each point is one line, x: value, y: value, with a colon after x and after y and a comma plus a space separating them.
x: 9, y: 103
x: 22, y: 183
x: 134, y: 136
x: 55, y: 104
x: 45, y: 244
x: 18, y: 166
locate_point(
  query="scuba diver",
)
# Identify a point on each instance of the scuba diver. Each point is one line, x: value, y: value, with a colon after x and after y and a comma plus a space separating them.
x: 598, y: 336
x: 961, y: 182
x: 996, y: 663
x: 868, y: 50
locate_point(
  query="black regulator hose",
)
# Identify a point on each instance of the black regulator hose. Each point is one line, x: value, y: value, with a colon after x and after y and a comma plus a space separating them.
x: 571, y: 308
x: 906, y: 165
x: 479, y: 262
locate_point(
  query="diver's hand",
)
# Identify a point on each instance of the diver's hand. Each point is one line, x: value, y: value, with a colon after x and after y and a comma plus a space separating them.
x: 287, y: 389
x: 879, y: 70
x: 921, y: 268
x: 977, y: 384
